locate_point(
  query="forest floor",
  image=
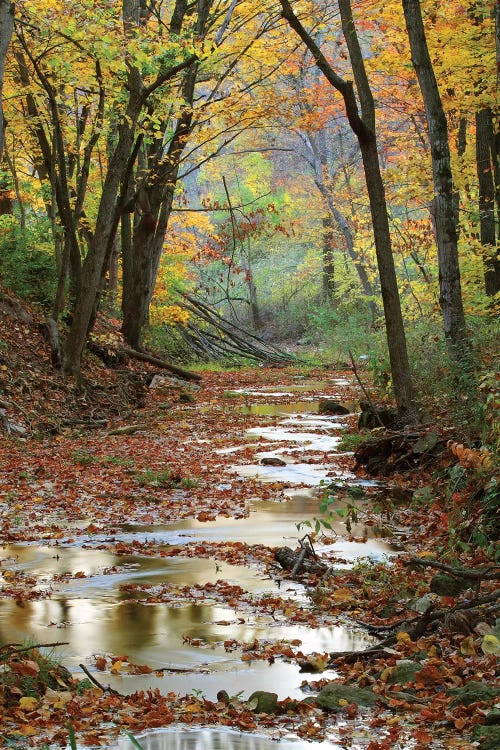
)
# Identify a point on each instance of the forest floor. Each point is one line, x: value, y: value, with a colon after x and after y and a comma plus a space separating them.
x: 103, y: 487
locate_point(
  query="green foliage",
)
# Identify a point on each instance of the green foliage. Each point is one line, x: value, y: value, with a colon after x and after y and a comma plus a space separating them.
x: 84, y: 458
x: 49, y: 673
x: 27, y: 260
x: 352, y: 441
x: 489, y: 390
x: 165, y: 479
x: 453, y: 392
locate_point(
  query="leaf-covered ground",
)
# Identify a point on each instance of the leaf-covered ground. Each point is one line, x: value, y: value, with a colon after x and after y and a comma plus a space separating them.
x: 77, y: 479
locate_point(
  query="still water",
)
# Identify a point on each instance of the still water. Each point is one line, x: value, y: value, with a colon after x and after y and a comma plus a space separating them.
x: 93, y: 614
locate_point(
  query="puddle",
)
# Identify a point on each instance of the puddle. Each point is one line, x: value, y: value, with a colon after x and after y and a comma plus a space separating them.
x: 273, y: 410
x: 217, y: 739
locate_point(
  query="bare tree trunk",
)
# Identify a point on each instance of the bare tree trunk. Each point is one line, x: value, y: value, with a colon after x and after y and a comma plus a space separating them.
x: 97, y: 255
x: 6, y: 28
x: 364, y: 128
x: 485, y: 155
x: 444, y: 204
x: 141, y: 270
x: 328, y: 271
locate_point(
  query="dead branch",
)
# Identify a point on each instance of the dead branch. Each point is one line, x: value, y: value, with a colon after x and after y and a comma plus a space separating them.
x: 430, y: 617
x: 97, y: 683
x: 492, y: 572
x: 23, y: 649
x: 162, y: 363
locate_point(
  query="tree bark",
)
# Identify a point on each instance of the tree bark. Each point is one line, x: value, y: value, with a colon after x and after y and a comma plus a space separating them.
x: 141, y: 269
x: 6, y: 28
x: 364, y: 128
x: 444, y: 209
x: 328, y: 270
x: 485, y: 155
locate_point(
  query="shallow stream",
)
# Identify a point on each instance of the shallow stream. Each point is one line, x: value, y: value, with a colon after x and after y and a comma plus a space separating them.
x: 94, y: 615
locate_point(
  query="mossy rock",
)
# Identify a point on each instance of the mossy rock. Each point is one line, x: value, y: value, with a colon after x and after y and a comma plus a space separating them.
x: 444, y: 585
x: 404, y: 672
x: 330, y: 697
x: 488, y: 737
x: 473, y: 692
x: 264, y: 702
x: 493, y: 717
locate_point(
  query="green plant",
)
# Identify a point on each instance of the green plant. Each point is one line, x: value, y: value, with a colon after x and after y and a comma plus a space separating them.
x: 133, y: 740
x: 352, y: 441
x: 117, y: 461
x: 489, y: 390
x: 188, y: 484
x: 82, y: 457
x: 42, y: 671
x: 27, y: 263
x: 165, y: 479
x: 71, y: 736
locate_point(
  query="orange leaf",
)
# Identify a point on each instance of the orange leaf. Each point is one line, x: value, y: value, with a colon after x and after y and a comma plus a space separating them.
x: 100, y: 663
x: 26, y: 668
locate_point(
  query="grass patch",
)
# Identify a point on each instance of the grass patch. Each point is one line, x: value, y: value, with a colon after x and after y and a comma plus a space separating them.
x: 165, y: 479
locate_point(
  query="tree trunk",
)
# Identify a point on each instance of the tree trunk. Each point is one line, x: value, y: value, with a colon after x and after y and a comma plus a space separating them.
x: 328, y: 271
x: 6, y: 28
x: 141, y: 269
x: 485, y: 154
x: 444, y: 209
x: 97, y: 255
x: 364, y: 128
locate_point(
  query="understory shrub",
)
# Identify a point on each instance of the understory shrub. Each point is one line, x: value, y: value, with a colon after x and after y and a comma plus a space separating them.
x: 27, y: 260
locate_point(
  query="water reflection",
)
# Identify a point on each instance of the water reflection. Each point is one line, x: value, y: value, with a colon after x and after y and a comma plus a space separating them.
x: 217, y: 739
x: 95, y: 615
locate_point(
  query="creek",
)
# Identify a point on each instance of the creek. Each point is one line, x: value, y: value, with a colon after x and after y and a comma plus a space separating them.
x: 89, y: 609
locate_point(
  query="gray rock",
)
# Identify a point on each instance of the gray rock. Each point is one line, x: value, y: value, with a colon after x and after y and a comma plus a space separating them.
x: 265, y: 703
x: 404, y: 672
x: 329, y: 406
x: 473, y: 692
x: 328, y: 698
x: 445, y: 585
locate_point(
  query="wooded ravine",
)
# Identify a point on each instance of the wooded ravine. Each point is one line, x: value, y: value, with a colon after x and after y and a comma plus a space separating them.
x: 249, y: 374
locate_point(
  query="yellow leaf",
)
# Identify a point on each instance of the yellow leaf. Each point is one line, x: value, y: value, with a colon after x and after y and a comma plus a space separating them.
x: 25, y: 731
x: 491, y: 645
x: 386, y: 674
x: 467, y: 646
x: 342, y: 595
x: 28, y: 704
x: 116, y: 667
x: 57, y: 698
x: 343, y: 702
x: 192, y: 708
x: 403, y: 637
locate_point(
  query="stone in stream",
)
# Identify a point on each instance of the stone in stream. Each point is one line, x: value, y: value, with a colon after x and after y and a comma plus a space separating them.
x: 263, y: 702
x: 272, y: 461
x: 330, y: 406
x: 333, y: 696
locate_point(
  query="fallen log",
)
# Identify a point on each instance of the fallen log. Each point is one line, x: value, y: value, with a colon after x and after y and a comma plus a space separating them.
x: 298, y: 561
x: 162, y: 363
